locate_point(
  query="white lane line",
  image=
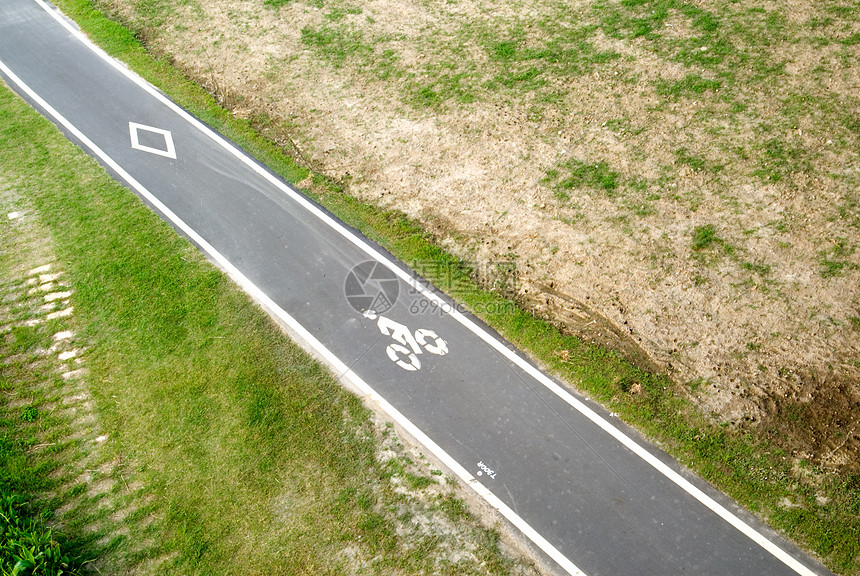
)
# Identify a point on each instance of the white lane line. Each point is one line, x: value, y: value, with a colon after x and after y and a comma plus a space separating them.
x: 306, y: 339
x: 496, y: 344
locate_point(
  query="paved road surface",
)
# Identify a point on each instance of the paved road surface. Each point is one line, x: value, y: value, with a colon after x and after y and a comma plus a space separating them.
x: 591, y: 495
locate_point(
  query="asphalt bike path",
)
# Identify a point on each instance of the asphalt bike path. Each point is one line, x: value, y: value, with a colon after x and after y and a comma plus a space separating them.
x: 588, y: 494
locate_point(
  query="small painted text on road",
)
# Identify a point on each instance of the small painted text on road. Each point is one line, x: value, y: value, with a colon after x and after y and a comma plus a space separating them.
x: 484, y: 469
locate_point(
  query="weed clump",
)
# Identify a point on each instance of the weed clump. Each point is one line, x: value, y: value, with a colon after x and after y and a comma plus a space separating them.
x: 597, y: 176
x: 30, y: 414
x: 704, y: 236
x: 26, y: 546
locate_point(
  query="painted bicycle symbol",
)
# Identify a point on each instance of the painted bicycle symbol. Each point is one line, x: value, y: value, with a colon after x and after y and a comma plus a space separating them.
x: 408, y: 345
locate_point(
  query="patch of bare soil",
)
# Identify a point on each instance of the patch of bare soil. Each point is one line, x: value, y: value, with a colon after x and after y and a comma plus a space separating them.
x: 724, y: 254
x: 426, y: 508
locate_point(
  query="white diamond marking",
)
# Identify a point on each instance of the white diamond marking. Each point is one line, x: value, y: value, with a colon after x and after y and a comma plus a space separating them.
x: 133, y: 128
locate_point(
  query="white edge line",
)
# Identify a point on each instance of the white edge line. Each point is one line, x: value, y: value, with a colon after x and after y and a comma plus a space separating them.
x: 497, y: 345
x: 307, y: 340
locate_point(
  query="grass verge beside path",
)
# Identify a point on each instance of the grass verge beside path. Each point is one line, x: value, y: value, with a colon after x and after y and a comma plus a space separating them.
x: 184, y: 433
x: 818, y: 509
